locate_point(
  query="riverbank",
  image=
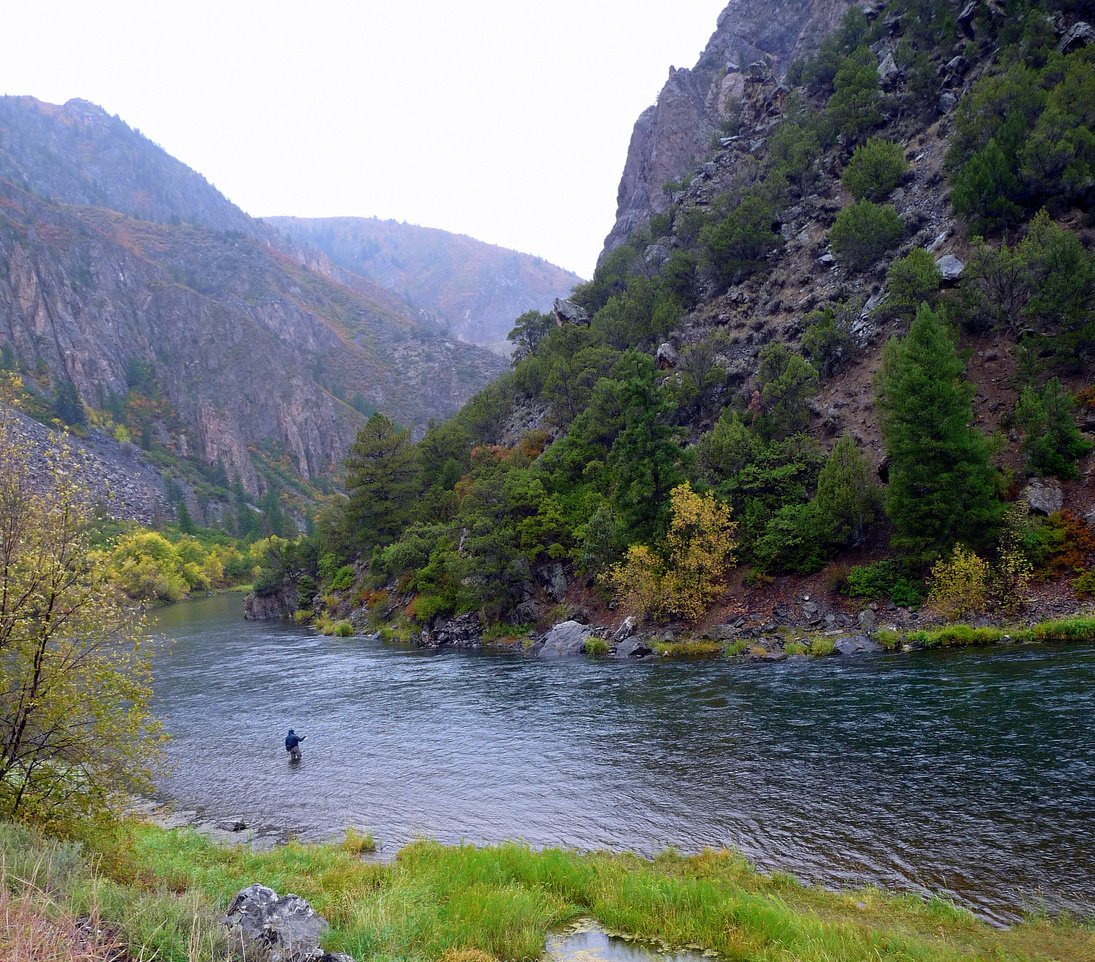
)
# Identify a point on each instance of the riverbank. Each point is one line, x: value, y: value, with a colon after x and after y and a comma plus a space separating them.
x: 160, y: 893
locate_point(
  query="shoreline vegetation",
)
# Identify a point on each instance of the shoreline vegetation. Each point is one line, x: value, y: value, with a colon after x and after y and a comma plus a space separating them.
x: 160, y: 894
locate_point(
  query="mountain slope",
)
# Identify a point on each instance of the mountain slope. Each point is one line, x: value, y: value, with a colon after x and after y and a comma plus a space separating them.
x: 475, y: 289
x: 254, y: 352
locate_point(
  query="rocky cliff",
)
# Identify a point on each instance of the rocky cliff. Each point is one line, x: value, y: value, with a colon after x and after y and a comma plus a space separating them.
x: 114, y: 257
x: 696, y: 105
x: 475, y: 289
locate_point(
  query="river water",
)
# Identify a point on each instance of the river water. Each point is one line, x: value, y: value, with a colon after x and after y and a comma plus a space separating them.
x: 971, y: 774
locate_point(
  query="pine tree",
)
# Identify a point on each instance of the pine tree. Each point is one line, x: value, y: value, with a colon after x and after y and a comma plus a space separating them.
x: 1051, y: 441
x: 941, y: 483
x: 848, y: 497
x: 380, y: 482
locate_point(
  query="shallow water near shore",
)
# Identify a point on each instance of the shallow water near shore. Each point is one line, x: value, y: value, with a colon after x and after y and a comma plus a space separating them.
x: 970, y: 774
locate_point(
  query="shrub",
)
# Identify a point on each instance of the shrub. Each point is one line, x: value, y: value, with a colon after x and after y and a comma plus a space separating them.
x: 343, y: 579
x: 795, y: 648
x: 342, y: 629
x: 787, y: 384
x: 595, y: 647
x: 983, y: 189
x: 959, y: 584
x: 820, y: 647
x: 737, y: 245
x: 911, y: 281
x: 828, y: 338
x: 856, y: 104
x: 882, y: 580
x: 1060, y: 545
x: 875, y: 169
x: 1084, y: 586
x: 864, y: 232
x: 302, y: 616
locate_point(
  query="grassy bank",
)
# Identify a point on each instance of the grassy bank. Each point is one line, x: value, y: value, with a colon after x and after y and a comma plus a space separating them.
x: 164, y: 891
x: 1078, y: 629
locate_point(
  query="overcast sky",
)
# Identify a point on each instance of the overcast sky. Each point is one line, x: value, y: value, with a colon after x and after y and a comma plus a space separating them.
x: 504, y: 119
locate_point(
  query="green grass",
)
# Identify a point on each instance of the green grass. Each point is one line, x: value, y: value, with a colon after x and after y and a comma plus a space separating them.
x: 435, y: 901
x: 595, y: 647
x: 694, y: 648
x: 1078, y: 629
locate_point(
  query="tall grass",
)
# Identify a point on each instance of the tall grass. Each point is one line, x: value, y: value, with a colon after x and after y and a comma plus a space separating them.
x: 464, y: 902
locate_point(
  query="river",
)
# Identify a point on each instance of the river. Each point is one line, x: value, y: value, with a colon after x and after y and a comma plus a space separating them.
x: 970, y: 774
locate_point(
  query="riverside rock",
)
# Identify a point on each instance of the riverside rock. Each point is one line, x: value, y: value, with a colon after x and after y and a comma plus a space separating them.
x: 855, y: 645
x: 565, y: 640
x: 275, y: 928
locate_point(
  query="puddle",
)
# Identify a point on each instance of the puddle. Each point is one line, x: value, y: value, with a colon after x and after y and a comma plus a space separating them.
x: 587, y: 941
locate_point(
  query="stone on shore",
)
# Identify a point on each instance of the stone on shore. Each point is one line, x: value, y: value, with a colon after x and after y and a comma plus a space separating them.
x: 275, y: 928
x: 565, y: 640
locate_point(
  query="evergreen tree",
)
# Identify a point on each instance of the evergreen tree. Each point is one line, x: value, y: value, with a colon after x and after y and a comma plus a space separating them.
x: 67, y: 404
x: 380, y: 484
x: 273, y: 515
x: 186, y: 523
x: 1051, y: 441
x: 941, y: 483
x: 847, y: 498
x: 787, y: 384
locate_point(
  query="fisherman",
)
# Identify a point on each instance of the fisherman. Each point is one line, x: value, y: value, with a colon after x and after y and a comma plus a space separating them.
x: 292, y: 745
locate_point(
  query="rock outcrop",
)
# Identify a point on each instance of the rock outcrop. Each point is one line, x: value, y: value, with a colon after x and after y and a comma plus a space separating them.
x: 463, y: 633
x: 564, y: 640
x: 674, y: 134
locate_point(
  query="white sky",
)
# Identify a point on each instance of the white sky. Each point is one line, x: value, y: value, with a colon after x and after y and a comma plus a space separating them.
x: 507, y: 120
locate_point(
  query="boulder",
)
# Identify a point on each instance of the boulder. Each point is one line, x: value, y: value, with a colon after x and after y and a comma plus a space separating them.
x: 633, y: 647
x: 1044, y: 497
x: 464, y: 632
x: 855, y: 645
x: 950, y: 267
x: 273, y: 928
x: 888, y: 71
x: 567, y: 312
x: 566, y: 639
x: 867, y: 620
x: 526, y: 613
x: 666, y: 357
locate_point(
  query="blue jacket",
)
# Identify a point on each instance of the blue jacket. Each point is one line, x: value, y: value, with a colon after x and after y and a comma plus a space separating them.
x: 292, y: 740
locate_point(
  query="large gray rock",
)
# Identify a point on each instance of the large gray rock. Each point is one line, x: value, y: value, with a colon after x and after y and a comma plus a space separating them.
x: 274, y: 928
x: 1044, y: 497
x: 855, y: 645
x: 666, y: 357
x: 566, y: 639
x: 633, y: 647
x: 625, y: 631
x: 950, y: 267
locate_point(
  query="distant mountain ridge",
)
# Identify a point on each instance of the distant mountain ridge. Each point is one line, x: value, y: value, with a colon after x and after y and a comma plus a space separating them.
x: 263, y: 357
x: 475, y: 289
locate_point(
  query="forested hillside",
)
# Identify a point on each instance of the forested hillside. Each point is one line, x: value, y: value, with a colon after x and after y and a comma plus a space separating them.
x: 857, y: 342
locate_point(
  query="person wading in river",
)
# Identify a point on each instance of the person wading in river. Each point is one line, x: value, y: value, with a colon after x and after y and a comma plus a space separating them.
x: 292, y: 745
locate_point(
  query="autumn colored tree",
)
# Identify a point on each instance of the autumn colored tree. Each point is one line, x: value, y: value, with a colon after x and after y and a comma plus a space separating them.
x: 76, y: 732
x: 682, y: 578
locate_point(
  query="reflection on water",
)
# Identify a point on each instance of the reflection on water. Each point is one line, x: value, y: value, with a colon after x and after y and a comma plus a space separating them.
x: 965, y: 773
x: 588, y: 942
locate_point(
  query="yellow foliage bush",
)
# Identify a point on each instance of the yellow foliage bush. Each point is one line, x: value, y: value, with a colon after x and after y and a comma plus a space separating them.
x: 684, y: 576
x: 959, y: 585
